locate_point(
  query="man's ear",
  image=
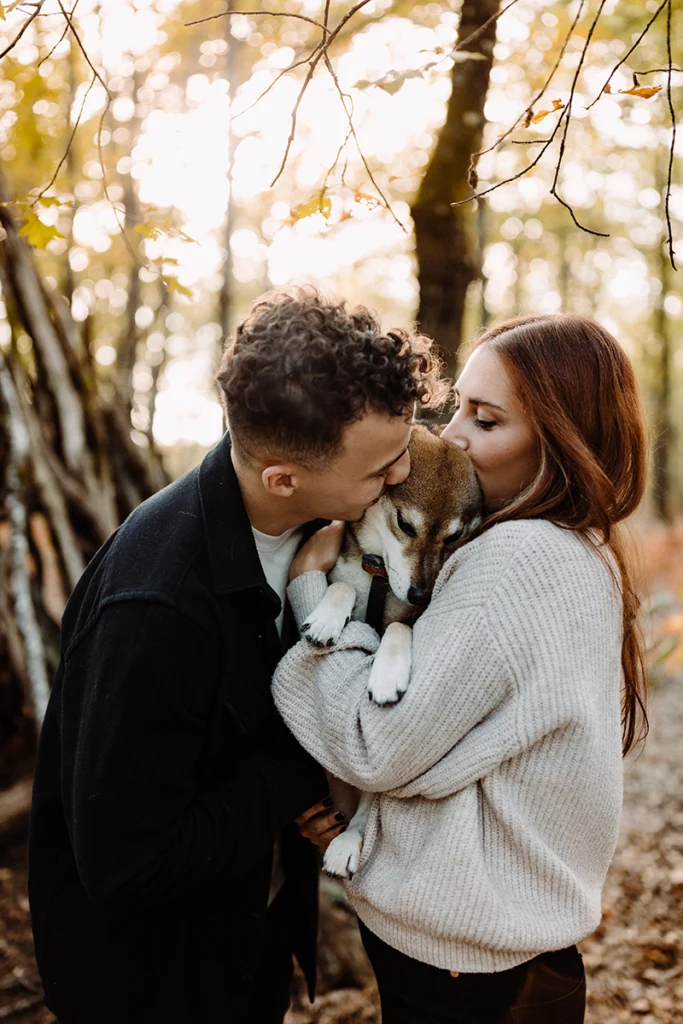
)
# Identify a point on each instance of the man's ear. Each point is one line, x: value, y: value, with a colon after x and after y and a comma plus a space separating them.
x: 280, y: 481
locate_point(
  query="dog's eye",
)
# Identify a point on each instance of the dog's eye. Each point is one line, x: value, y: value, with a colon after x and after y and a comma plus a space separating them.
x: 409, y: 530
x: 454, y: 537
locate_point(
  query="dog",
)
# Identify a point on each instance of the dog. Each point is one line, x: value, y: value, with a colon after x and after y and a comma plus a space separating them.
x: 405, y: 536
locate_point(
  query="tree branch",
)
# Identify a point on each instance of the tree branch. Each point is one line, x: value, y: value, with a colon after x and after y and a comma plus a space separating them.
x: 21, y: 31
x: 629, y: 52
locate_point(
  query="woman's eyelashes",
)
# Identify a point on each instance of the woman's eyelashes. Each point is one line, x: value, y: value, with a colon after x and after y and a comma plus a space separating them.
x: 479, y: 423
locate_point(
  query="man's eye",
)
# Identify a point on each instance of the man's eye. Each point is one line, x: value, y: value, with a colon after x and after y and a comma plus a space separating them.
x: 409, y: 530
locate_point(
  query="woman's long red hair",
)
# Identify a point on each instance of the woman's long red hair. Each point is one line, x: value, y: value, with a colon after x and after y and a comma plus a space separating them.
x: 579, y: 391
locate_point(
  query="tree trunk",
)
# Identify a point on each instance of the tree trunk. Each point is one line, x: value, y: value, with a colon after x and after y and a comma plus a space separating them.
x: 70, y: 473
x: 445, y: 235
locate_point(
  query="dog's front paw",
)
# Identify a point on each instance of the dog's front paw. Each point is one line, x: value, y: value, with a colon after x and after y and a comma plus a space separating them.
x: 343, y: 855
x: 386, y: 687
x: 325, y: 624
x: 390, y: 672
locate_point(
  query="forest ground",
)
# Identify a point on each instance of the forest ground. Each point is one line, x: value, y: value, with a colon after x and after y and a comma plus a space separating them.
x: 634, y: 960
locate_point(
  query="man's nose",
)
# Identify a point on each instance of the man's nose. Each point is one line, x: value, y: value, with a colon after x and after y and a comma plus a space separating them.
x: 400, y: 471
x: 453, y: 434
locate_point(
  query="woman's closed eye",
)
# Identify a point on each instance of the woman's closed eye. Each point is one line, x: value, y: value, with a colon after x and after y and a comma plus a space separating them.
x: 484, y: 424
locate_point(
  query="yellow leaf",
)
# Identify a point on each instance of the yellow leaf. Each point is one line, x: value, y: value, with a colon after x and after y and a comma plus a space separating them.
x: 174, y: 285
x: 646, y: 91
x: 557, y: 105
x: 53, y: 201
x: 36, y: 233
x: 2, y: 14
x: 13, y: 5
x: 319, y: 204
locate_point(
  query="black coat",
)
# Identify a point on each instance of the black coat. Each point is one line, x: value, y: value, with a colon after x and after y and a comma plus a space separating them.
x: 164, y: 773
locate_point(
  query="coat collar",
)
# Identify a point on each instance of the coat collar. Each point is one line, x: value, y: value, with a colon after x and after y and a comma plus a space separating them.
x: 235, y: 564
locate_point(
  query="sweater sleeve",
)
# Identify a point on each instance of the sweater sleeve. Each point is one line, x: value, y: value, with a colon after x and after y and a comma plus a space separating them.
x: 458, y: 679
x: 507, y: 652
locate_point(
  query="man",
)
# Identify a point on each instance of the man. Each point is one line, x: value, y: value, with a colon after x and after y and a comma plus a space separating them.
x: 168, y: 881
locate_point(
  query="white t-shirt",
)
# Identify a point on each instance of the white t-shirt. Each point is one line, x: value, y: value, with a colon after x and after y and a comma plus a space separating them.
x: 276, y: 555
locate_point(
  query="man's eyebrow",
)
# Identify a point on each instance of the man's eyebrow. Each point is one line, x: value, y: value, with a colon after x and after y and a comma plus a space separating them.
x: 481, y: 401
x: 376, y: 472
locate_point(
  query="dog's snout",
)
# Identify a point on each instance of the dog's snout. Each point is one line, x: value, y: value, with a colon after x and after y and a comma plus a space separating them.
x: 418, y: 595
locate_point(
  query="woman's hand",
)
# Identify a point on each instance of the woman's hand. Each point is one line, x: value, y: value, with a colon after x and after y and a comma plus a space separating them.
x: 321, y: 824
x: 320, y: 551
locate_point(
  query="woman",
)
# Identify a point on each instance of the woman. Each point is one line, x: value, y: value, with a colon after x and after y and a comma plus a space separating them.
x: 498, y: 776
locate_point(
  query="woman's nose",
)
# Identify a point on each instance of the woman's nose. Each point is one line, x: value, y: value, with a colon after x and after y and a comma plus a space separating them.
x: 453, y: 434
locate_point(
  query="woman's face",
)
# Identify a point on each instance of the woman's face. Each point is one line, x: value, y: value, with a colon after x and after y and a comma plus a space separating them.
x: 491, y: 426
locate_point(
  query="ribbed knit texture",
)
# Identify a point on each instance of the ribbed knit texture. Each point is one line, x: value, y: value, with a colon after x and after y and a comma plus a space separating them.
x: 498, y: 777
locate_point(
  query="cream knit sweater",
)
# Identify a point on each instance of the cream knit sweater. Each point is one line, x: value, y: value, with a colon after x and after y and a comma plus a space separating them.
x: 498, y: 777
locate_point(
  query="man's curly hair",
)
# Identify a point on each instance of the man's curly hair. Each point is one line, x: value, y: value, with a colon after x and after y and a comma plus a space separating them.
x: 302, y: 367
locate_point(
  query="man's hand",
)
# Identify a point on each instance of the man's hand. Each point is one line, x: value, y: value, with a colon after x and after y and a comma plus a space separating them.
x: 320, y: 551
x: 321, y: 824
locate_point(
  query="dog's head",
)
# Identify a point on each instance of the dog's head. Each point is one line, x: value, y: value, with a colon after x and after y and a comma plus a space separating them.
x: 415, y: 525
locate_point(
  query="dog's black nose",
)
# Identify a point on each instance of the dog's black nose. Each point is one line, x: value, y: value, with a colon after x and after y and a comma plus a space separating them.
x: 416, y: 595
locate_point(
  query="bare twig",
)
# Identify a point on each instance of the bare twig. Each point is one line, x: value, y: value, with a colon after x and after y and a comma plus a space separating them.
x: 271, y: 14
x: 537, y: 97
x: 66, y: 29
x: 285, y: 71
x: 313, y: 64
x: 68, y: 145
x: 567, y: 119
x: 672, y: 147
x: 629, y: 52
x: 21, y: 31
x: 352, y: 129
x: 655, y: 71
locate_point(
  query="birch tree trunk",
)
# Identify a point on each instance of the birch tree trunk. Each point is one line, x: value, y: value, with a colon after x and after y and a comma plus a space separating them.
x: 69, y: 474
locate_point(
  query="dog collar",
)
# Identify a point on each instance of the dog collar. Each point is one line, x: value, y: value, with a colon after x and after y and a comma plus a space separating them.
x: 374, y: 565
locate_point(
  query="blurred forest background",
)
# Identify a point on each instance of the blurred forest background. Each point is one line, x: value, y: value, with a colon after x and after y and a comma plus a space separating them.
x: 164, y: 163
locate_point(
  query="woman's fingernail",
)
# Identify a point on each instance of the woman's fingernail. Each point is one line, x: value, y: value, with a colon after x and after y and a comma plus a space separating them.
x: 327, y: 802
x: 339, y: 816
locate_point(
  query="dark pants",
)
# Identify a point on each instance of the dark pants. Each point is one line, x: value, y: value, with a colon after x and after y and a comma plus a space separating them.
x: 270, y: 1000
x: 550, y: 989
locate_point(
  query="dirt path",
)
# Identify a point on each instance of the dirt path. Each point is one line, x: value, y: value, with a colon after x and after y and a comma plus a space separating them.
x: 635, y: 959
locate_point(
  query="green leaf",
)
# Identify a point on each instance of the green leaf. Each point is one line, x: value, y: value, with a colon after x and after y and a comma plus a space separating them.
x: 36, y: 233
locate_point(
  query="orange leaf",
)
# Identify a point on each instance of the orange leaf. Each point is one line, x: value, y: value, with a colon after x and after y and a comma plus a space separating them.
x: 557, y: 105
x: 608, y: 87
x: 646, y: 91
